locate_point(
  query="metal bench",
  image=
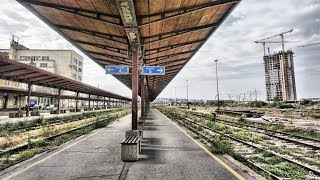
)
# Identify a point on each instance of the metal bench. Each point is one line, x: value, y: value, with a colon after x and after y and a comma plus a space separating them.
x: 130, y: 149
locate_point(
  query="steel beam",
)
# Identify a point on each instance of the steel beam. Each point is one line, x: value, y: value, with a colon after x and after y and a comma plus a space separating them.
x: 165, y: 62
x: 102, y: 46
x: 114, y: 61
x: 54, y: 80
x: 41, y: 77
x: 170, y: 34
x: 170, y: 55
x: 111, y: 37
x: 78, y: 11
x: 171, y: 47
x: 8, y: 68
x: 107, y: 55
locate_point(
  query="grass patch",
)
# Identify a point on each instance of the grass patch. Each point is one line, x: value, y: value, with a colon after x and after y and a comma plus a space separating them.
x: 286, y: 170
x: 27, y: 154
x: 222, y: 145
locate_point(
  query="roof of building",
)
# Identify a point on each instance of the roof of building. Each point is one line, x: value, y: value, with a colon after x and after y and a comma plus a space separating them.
x: 170, y: 31
x: 24, y: 92
x: 20, y: 72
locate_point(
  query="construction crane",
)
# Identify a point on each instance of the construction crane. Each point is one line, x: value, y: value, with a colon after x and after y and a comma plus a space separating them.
x: 281, y: 35
x: 271, y: 42
x: 307, y: 45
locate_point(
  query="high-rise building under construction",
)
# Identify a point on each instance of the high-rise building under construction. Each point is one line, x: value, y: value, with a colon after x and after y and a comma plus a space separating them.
x: 279, y: 74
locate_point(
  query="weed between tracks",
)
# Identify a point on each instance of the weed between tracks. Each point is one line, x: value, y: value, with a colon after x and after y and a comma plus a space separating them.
x: 41, y: 143
x: 251, y: 157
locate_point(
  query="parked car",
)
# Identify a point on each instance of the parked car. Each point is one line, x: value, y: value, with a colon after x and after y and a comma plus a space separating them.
x: 49, y: 107
x: 33, y: 105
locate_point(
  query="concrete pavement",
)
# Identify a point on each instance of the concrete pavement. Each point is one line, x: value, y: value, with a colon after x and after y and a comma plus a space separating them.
x: 167, y: 153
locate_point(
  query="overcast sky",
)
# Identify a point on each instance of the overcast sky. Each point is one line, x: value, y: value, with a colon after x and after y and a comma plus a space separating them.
x: 240, y: 65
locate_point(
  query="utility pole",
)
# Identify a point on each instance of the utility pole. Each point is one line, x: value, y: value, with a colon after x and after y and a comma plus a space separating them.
x: 187, y: 94
x: 217, y: 83
x: 255, y: 91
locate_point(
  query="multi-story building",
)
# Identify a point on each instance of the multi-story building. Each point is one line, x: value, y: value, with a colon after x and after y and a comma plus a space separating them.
x: 66, y: 63
x: 280, y: 78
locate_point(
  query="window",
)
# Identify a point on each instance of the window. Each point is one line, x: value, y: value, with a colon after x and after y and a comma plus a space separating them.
x: 80, y: 63
x: 43, y: 64
x: 74, y: 76
x: 35, y: 58
x: 23, y: 58
x: 33, y: 64
x: 75, y: 61
x: 79, y: 77
x: 74, y: 67
x: 80, y: 70
x: 6, y: 82
x: 45, y: 58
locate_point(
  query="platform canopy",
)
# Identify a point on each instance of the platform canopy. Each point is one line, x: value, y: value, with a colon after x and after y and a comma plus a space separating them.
x: 170, y: 31
x: 24, y: 73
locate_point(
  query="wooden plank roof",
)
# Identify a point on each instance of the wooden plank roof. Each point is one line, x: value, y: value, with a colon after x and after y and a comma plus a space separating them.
x: 20, y: 72
x: 171, y: 31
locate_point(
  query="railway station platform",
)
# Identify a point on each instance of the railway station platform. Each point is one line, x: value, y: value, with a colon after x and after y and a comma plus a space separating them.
x: 168, y: 152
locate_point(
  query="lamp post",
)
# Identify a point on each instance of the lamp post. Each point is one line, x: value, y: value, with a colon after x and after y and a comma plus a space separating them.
x: 175, y: 93
x: 217, y: 82
x: 187, y: 94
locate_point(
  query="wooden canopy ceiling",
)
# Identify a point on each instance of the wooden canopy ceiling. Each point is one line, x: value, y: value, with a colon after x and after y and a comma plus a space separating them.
x: 171, y: 31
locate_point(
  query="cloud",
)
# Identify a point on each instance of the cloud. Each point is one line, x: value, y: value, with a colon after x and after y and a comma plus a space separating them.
x: 240, y: 61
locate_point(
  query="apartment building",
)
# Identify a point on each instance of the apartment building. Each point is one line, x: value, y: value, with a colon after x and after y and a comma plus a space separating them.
x: 279, y: 76
x: 66, y: 63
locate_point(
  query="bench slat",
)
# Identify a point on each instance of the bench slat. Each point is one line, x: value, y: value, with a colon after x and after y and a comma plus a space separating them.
x: 131, y: 140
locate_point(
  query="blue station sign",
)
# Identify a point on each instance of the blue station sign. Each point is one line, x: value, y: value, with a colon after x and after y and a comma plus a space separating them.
x: 153, y: 70
x: 117, y: 69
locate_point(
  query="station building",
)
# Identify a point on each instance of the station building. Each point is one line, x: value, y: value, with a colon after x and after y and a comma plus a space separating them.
x: 66, y: 63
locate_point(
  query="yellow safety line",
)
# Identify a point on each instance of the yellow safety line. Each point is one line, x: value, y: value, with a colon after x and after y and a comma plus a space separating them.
x: 237, y: 175
x: 48, y: 157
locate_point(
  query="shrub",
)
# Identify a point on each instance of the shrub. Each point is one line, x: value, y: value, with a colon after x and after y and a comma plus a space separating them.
x: 222, y: 145
x: 27, y: 154
x: 257, y: 104
x: 286, y: 106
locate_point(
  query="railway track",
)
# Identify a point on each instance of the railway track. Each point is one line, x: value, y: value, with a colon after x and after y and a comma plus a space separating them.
x: 246, y: 152
x: 304, y: 141
x: 54, y: 122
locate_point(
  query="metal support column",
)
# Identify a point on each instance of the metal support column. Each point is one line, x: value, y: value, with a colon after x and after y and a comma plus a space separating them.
x: 77, y: 101
x: 104, y: 102
x: 135, y: 81
x: 98, y: 102
x: 20, y: 99
x: 59, y: 95
x: 28, y: 100
x: 89, y: 100
x: 142, y: 93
